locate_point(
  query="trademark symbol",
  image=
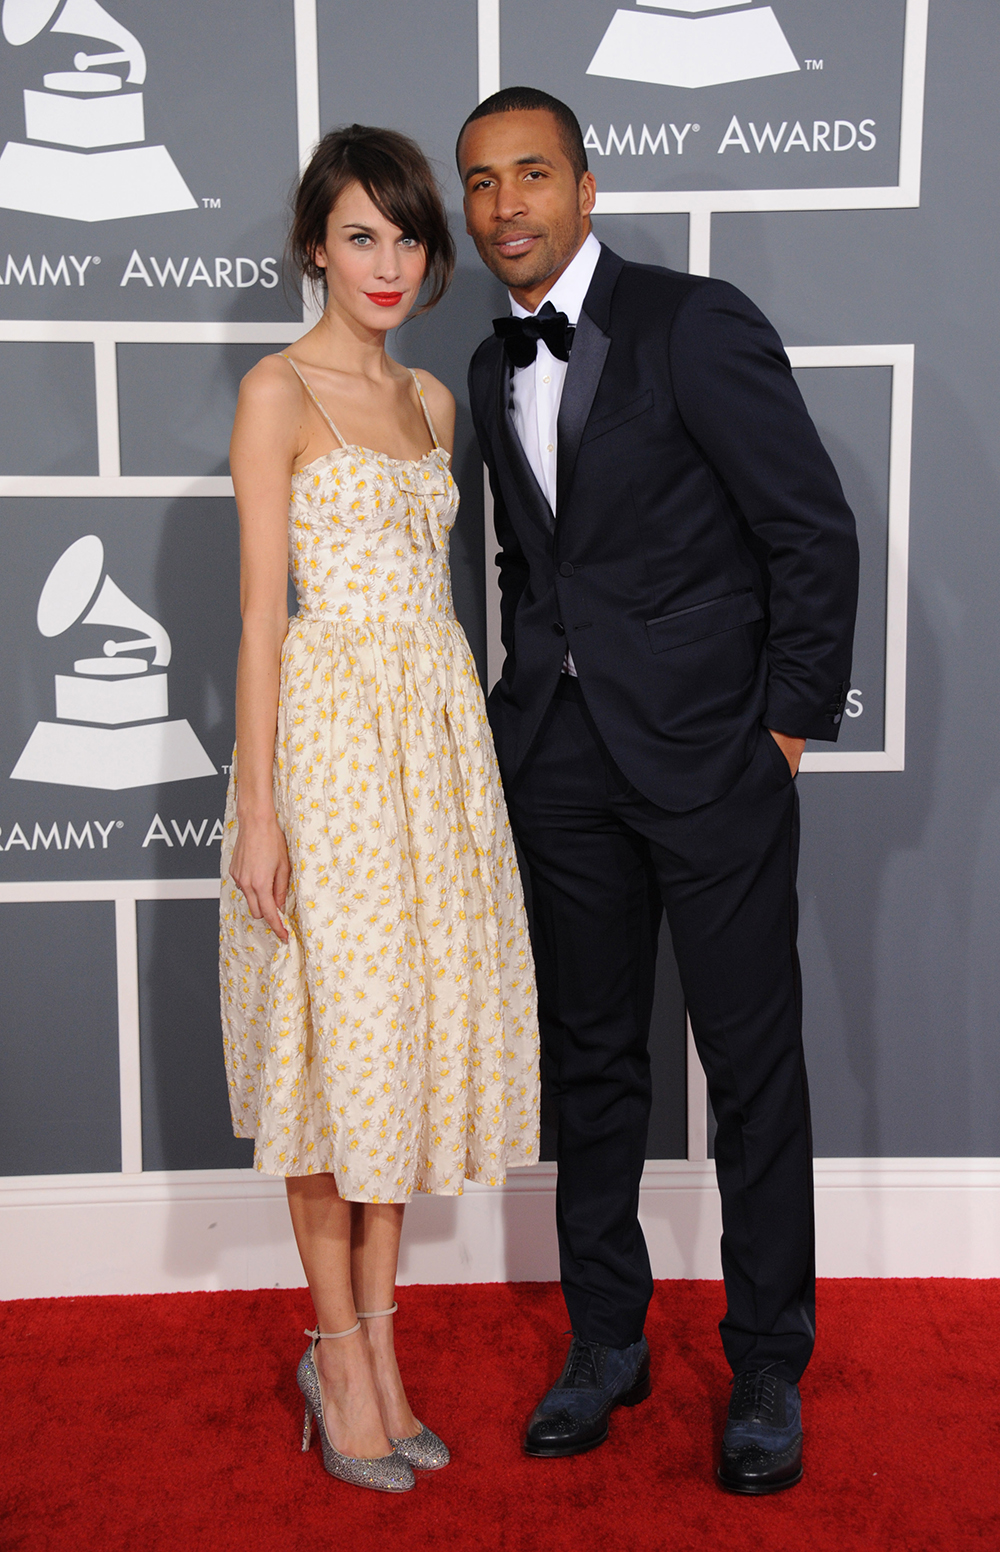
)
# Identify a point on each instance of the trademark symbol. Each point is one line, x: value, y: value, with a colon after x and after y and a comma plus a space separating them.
x: 696, y: 127
x: 212, y: 204
x: 119, y: 824
x: 814, y: 64
x: 96, y: 259
x: 225, y: 768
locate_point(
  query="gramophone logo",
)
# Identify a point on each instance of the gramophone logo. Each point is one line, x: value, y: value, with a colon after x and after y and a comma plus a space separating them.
x: 85, y: 108
x: 112, y: 729
x: 693, y: 49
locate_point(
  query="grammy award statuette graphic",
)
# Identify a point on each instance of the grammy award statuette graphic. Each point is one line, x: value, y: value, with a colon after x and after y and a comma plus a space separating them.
x: 85, y: 109
x: 112, y: 729
x: 693, y: 48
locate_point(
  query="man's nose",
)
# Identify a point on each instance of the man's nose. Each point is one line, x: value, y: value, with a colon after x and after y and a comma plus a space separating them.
x: 510, y: 202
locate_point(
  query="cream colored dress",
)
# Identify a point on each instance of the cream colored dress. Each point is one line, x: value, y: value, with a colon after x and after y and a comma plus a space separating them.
x: 392, y: 1042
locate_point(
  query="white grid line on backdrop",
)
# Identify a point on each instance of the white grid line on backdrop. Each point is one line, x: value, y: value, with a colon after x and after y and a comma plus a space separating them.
x: 105, y: 336
x: 703, y: 202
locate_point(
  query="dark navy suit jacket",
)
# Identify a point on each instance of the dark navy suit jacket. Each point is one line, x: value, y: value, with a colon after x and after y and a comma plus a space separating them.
x: 702, y: 563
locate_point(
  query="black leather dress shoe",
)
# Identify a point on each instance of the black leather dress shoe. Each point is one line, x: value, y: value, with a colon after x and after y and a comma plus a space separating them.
x: 762, y: 1444
x: 573, y: 1415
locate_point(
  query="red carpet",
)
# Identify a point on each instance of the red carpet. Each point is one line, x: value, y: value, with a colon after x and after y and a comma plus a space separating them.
x: 173, y: 1422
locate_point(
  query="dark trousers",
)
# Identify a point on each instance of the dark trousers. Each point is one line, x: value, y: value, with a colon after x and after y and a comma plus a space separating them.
x: 603, y: 864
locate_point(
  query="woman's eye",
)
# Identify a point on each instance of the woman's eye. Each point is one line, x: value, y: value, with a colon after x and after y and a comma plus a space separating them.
x: 361, y: 238
x: 409, y: 242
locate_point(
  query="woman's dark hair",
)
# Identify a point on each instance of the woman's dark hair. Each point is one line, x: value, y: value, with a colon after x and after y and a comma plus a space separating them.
x: 396, y: 176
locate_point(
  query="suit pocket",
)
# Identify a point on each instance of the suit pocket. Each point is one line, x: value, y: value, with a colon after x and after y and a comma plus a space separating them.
x: 619, y: 417
x: 709, y: 619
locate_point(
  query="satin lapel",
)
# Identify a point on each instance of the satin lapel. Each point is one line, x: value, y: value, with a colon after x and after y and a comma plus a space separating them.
x: 586, y: 363
x: 532, y: 496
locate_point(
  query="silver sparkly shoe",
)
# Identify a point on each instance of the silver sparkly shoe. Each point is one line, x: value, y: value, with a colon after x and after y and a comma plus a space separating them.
x: 425, y: 1451
x: 384, y: 1473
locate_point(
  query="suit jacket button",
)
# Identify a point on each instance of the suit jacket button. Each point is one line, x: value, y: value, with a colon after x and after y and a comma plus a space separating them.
x: 559, y: 628
x: 566, y: 569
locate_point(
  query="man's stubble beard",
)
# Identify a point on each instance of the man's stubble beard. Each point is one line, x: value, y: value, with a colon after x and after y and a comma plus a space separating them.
x: 546, y: 260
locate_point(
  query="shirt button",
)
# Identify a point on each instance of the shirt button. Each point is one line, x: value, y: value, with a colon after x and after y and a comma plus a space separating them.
x: 550, y: 447
x: 546, y: 379
x: 566, y: 569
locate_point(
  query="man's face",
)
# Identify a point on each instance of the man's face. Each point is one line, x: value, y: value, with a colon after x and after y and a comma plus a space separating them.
x: 524, y: 208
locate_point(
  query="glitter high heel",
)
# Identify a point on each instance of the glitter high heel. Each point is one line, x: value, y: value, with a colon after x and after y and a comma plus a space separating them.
x: 385, y: 1473
x: 425, y: 1451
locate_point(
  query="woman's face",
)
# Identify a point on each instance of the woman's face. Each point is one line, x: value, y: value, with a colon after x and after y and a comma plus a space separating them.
x: 373, y: 270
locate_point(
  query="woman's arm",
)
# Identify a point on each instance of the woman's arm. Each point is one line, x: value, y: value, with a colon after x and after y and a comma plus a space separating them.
x: 267, y: 436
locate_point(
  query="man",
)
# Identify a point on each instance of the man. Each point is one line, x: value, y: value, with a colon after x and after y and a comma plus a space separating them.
x: 678, y: 572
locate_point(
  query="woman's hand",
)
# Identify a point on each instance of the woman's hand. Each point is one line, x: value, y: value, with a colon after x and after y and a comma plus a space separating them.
x: 260, y: 868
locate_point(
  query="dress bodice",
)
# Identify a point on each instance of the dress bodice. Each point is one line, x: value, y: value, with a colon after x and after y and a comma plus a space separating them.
x: 368, y: 536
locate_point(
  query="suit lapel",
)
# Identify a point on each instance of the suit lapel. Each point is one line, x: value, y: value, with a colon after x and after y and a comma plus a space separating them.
x: 591, y: 344
x: 586, y: 363
x: 532, y: 496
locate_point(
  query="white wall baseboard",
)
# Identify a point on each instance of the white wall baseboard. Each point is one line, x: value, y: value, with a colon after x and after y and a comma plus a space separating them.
x: 205, y: 1229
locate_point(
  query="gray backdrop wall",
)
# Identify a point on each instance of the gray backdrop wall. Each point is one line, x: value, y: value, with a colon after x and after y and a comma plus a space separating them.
x: 140, y: 277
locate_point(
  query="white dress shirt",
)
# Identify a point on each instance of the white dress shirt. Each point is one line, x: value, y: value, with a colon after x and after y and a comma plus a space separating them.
x: 537, y: 389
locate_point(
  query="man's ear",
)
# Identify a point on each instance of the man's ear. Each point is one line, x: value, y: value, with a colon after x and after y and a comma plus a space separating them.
x: 588, y: 193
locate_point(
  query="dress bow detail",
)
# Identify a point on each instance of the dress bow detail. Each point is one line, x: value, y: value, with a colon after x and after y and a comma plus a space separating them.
x: 419, y: 481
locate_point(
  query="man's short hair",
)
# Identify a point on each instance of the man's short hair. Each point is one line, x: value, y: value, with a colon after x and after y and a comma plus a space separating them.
x: 527, y: 99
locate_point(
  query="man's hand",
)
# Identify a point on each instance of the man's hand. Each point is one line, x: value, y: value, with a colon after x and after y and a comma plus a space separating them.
x: 791, y: 748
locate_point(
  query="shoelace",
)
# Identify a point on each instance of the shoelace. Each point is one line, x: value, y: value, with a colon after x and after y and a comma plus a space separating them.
x: 582, y: 1370
x: 755, y: 1392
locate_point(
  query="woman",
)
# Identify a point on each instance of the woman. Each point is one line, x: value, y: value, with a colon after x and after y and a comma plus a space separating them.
x: 378, y: 996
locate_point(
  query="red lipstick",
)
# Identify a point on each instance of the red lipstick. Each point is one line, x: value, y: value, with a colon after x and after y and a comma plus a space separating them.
x: 385, y: 298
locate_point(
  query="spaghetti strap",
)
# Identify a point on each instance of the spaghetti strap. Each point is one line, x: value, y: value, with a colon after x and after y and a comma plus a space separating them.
x: 315, y: 400
x: 423, y: 406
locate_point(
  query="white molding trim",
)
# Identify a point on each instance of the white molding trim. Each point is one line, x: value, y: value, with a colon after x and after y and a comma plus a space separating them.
x: 488, y: 20
x: 307, y: 78
x: 142, y: 485
x: 699, y: 242
x: 105, y: 336
x: 204, y: 331
x: 129, y: 1046
x: 201, y: 1229
x: 121, y: 890
x: 892, y: 755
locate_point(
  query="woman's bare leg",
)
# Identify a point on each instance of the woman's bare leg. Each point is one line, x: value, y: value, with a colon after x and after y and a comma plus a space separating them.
x: 374, y: 1252
x: 351, y: 1398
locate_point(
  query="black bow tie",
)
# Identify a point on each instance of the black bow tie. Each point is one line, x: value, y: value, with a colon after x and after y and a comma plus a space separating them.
x: 521, y: 335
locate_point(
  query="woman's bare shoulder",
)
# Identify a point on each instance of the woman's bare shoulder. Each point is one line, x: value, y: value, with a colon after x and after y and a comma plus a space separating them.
x: 271, y: 384
x: 435, y: 390
x: 440, y: 402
